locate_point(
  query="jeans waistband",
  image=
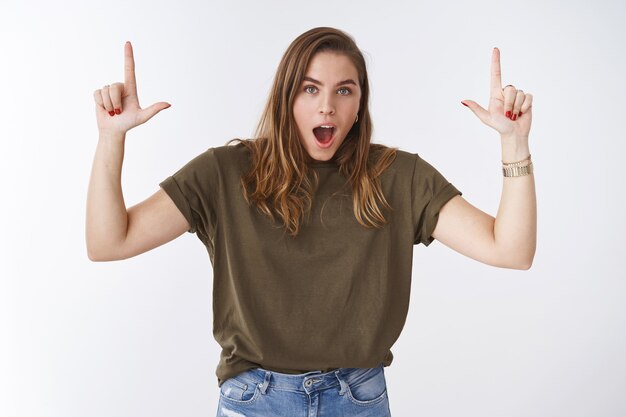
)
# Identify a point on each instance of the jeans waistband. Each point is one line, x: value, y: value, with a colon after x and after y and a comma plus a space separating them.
x: 307, y: 382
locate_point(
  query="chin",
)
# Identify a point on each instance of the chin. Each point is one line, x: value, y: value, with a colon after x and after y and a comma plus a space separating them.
x: 322, y: 155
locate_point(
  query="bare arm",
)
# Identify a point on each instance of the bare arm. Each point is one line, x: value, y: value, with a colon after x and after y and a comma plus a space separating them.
x: 507, y: 241
x: 111, y: 231
x: 510, y: 239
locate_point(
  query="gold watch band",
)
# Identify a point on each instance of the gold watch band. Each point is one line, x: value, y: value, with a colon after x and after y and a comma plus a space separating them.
x: 517, y: 171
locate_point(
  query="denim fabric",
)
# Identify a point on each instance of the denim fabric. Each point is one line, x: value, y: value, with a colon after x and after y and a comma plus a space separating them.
x: 344, y: 392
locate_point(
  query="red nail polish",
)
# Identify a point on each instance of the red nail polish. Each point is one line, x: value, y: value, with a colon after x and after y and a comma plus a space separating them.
x: 464, y: 104
x: 520, y: 113
x: 112, y: 113
x: 514, y: 117
x: 117, y: 111
x: 508, y: 114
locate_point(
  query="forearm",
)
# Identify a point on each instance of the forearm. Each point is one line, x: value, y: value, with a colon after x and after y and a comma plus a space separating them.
x: 107, y: 218
x: 515, y: 228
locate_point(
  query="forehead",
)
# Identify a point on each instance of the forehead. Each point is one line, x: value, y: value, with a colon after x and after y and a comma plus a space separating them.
x: 331, y: 66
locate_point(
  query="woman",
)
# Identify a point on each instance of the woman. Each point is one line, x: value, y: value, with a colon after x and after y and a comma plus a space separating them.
x: 310, y: 228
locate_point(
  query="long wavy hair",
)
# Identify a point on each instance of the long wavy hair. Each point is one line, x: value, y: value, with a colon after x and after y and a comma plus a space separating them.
x: 280, y: 183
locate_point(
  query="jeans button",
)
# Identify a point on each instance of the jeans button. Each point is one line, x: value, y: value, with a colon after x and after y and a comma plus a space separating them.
x: 308, y: 383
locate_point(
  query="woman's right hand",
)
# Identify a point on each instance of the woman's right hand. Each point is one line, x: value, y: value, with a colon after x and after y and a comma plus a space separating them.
x: 117, y: 105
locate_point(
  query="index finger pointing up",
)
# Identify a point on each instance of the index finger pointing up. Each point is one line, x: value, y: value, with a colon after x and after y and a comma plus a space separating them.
x: 129, y: 70
x: 496, y: 79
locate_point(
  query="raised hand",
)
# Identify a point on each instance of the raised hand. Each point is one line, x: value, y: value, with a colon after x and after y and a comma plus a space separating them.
x: 510, y: 110
x: 117, y: 105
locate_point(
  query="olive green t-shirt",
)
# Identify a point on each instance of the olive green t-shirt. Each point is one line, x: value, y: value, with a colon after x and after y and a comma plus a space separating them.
x: 334, y: 296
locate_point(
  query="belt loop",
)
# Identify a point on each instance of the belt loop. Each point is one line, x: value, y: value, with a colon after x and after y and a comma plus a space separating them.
x: 266, y: 382
x: 343, y: 384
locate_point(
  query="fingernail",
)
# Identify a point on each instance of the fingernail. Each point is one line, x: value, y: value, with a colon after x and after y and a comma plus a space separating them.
x: 520, y: 113
x: 117, y: 111
x: 112, y: 113
x: 464, y: 104
x: 508, y: 114
x: 514, y: 117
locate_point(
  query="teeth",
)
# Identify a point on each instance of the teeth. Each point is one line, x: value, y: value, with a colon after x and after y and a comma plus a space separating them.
x: 326, y: 126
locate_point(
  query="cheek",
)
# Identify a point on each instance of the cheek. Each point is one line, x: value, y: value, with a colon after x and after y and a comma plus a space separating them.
x: 352, y: 106
x: 349, y: 113
x: 297, y: 109
x: 301, y: 113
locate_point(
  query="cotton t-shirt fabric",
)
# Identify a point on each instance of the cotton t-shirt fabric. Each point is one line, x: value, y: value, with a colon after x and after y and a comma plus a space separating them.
x: 336, y: 295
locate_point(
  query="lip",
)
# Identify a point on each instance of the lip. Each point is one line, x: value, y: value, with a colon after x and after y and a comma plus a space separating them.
x: 325, y: 124
x: 332, y: 139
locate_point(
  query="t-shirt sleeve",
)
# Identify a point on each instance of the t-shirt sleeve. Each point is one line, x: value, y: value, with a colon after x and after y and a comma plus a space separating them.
x: 193, y: 188
x: 430, y: 192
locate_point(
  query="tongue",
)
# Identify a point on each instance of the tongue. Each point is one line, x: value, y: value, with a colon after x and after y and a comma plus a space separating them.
x: 323, y: 134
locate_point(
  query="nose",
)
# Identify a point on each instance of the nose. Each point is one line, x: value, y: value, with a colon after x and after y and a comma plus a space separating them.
x: 326, y: 105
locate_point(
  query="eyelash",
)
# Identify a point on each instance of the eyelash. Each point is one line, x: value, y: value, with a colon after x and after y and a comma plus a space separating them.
x: 342, y: 88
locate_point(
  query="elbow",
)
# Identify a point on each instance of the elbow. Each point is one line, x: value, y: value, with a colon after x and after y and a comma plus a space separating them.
x: 529, y: 260
x: 92, y: 251
x: 522, y: 263
x: 101, y: 251
x: 526, y: 263
x: 96, y: 255
x: 525, y: 266
x: 95, y: 259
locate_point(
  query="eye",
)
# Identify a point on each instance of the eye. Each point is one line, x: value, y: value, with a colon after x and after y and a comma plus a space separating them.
x: 308, y: 89
x: 347, y: 91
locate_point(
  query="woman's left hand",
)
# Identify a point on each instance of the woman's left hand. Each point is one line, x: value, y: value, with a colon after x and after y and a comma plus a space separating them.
x: 510, y: 109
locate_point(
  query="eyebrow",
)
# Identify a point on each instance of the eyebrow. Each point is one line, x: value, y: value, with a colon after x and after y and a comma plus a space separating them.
x: 314, y: 81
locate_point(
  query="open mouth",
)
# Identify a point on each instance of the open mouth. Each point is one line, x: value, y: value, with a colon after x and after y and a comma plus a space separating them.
x: 324, y: 135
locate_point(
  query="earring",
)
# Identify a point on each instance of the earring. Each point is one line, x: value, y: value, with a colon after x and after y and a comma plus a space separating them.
x: 357, y: 118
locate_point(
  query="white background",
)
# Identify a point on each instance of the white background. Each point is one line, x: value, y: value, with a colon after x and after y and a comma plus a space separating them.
x: 133, y: 338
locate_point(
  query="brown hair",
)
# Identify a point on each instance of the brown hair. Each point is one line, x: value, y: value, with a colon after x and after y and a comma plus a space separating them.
x: 279, y: 176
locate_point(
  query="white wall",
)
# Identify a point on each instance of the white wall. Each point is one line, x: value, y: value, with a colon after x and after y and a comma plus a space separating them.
x: 133, y: 338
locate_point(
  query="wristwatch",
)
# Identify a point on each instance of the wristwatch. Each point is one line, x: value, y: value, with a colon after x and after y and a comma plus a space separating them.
x: 517, y: 171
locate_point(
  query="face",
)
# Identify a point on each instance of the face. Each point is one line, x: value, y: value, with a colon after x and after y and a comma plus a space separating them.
x: 328, y: 96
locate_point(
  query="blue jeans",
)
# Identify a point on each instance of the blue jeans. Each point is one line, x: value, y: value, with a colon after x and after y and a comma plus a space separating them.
x: 343, y: 392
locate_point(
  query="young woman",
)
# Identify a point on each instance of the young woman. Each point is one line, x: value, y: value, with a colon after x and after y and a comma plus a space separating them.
x: 310, y: 228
